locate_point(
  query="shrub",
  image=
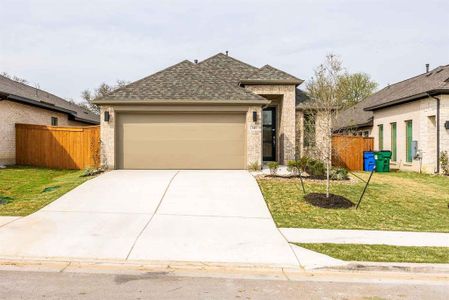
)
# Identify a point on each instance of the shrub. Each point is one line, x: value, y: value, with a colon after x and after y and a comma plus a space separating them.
x: 274, y: 167
x: 294, y: 167
x: 254, y: 166
x: 444, y: 161
x: 315, y: 167
x: 339, y: 174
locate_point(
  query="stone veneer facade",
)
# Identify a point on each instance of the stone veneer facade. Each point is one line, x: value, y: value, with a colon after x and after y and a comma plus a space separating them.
x: 12, y: 113
x: 287, y: 121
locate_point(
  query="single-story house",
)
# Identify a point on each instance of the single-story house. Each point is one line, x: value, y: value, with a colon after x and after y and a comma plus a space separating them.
x: 409, y: 118
x: 21, y: 103
x: 219, y: 113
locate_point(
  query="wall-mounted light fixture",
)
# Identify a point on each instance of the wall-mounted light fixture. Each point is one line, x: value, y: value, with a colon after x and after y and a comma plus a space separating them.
x: 254, y: 116
x: 446, y: 125
x: 106, y: 116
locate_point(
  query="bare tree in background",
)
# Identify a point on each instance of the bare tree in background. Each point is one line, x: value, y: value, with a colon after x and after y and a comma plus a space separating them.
x: 15, y: 78
x: 104, y: 89
x: 330, y: 90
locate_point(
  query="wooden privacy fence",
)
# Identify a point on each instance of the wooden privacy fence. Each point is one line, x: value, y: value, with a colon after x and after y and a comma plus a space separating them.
x: 58, y: 147
x: 348, y: 151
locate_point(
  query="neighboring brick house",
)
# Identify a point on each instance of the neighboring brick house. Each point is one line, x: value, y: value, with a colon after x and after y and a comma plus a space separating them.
x: 409, y: 118
x: 220, y: 113
x: 21, y: 103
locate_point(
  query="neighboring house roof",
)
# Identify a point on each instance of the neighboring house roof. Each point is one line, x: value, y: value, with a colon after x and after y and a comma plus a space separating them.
x: 361, y: 115
x: 214, y: 79
x: 434, y: 82
x: 354, y: 117
x: 269, y: 75
x: 20, y: 92
x: 181, y: 82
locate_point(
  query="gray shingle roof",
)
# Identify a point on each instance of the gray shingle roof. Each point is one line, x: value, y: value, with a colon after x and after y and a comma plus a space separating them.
x: 226, y: 68
x: 358, y: 116
x: 437, y: 79
x: 354, y: 117
x: 183, y: 81
x: 268, y: 74
x: 13, y: 88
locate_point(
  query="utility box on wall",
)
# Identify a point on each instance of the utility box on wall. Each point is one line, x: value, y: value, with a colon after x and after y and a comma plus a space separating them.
x: 414, y: 148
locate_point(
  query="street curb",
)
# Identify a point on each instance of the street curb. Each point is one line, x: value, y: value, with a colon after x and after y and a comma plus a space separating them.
x: 119, y: 266
x: 393, y: 267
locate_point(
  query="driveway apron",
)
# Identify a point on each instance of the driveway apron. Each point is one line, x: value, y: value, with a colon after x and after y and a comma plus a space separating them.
x: 163, y: 215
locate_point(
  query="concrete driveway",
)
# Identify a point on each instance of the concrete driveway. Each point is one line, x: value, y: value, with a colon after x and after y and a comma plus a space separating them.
x: 188, y: 216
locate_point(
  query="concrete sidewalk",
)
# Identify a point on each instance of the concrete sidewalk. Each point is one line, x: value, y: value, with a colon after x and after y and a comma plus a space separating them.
x: 6, y: 220
x: 371, y: 237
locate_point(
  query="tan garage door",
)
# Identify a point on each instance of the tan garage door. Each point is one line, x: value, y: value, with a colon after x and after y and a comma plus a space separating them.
x: 181, y: 141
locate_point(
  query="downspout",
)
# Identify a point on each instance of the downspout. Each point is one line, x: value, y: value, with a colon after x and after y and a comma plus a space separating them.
x: 438, y: 131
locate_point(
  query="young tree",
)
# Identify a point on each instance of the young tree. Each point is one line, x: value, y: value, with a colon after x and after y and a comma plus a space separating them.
x: 101, y: 91
x: 331, y: 90
x: 325, y: 102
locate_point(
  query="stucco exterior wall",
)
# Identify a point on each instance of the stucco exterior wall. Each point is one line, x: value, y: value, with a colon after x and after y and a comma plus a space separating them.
x: 12, y: 113
x: 287, y: 122
x: 253, y: 129
x: 423, y: 116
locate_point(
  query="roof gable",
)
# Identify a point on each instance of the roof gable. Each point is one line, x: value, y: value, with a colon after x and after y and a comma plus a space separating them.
x: 226, y: 68
x: 271, y: 75
x: 183, y: 81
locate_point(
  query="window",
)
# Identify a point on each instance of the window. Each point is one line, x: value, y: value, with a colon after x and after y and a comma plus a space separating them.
x: 394, y: 134
x: 381, y: 136
x: 309, y: 129
x: 54, y: 121
x: 408, y: 140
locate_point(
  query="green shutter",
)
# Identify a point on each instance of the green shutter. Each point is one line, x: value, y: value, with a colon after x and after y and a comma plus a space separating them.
x: 381, y: 136
x: 394, y: 144
x: 408, y: 140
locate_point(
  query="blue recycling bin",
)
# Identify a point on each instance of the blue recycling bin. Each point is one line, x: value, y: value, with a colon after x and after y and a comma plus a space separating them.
x: 369, y: 162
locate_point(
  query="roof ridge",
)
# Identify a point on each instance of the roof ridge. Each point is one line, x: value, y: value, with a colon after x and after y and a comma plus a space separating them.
x: 227, y: 56
x: 413, y: 77
x: 223, y: 82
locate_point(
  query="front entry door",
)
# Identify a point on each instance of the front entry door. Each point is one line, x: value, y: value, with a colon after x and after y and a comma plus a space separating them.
x: 269, y: 134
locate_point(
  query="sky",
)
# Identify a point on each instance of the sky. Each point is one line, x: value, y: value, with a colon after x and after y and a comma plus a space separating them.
x: 68, y: 46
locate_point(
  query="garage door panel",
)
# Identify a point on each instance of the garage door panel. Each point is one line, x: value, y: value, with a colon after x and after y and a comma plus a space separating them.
x: 215, y: 132
x: 181, y: 141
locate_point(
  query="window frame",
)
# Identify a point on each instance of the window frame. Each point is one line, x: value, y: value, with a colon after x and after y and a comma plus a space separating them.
x: 394, y: 141
x: 408, y: 141
x: 54, y: 121
x: 380, y: 135
x: 309, y: 139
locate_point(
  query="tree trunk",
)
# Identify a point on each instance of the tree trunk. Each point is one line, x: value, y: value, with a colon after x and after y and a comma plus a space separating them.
x: 329, y: 155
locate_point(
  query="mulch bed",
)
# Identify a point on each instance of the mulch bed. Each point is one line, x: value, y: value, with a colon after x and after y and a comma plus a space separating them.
x: 334, y: 201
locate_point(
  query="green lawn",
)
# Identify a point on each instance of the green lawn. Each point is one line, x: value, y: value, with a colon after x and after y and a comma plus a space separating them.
x: 384, y: 253
x: 394, y: 201
x: 23, y: 187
